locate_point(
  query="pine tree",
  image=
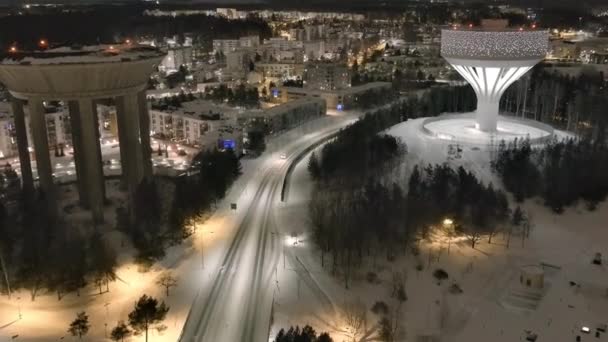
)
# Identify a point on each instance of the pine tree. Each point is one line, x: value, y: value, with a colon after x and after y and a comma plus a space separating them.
x: 80, y: 326
x: 147, y: 313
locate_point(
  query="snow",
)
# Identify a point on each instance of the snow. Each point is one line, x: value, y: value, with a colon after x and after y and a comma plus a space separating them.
x: 86, y: 54
x: 196, y: 263
x: 490, y: 308
x: 461, y: 128
x: 299, y: 291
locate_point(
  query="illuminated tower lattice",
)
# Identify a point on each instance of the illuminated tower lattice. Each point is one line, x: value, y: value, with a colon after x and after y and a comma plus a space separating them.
x: 490, y: 58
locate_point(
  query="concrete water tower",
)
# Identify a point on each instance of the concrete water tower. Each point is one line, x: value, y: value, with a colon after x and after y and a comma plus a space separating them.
x: 80, y: 76
x: 490, y: 58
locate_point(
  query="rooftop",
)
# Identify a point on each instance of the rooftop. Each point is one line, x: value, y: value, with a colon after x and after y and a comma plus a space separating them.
x: 197, y: 108
x: 81, y: 54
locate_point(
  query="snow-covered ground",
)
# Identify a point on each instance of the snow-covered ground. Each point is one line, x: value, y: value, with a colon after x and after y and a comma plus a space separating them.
x: 462, y: 128
x: 64, y: 169
x: 302, y: 292
x: 195, y: 263
x: 493, y: 305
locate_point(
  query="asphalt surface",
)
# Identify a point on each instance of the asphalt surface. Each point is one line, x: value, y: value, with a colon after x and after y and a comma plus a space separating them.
x: 237, y: 304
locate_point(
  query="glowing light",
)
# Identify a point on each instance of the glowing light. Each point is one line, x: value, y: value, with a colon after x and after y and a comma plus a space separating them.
x: 448, y: 222
x: 42, y: 42
x: 490, y: 61
x: 12, y: 49
x: 533, y: 26
x: 128, y: 41
x: 470, y: 25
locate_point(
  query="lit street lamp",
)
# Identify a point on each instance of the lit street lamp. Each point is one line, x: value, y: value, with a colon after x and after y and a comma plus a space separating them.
x: 448, y: 224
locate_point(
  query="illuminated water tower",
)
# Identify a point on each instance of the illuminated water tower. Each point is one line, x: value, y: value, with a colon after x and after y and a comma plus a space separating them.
x: 490, y: 58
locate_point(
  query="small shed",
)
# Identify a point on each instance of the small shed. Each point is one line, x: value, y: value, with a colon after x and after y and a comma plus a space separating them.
x: 532, y: 276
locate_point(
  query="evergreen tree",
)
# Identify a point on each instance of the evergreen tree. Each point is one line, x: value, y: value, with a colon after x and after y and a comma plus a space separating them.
x: 147, y: 313
x: 80, y: 326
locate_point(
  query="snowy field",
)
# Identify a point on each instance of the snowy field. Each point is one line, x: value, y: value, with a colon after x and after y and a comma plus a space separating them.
x: 494, y: 306
x: 489, y: 309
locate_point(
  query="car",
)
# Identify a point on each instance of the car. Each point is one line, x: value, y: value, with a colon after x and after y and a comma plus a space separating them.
x: 283, y: 156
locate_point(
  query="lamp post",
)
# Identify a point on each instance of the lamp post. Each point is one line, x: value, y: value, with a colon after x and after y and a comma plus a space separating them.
x: 278, y: 234
x: 448, y: 225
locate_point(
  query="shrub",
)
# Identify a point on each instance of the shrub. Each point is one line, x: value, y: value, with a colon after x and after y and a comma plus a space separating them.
x: 440, y: 274
x: 372, y: 278
x: 380, y: 308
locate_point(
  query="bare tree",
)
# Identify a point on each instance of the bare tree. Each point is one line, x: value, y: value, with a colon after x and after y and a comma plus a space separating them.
x: 167, y: 280
x: 389, y: 326
x: 355, y: 317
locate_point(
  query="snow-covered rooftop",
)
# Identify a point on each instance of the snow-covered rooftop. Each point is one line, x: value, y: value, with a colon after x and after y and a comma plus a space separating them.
x: 83, y: 54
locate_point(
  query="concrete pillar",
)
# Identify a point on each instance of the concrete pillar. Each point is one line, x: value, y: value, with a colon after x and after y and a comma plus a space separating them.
x: 27, y: 180
x: 487, y: 115
x: 41, y: 149
x: 124, y: 179
x: 91, y: 158
x: 130, y: 145
x: 144, y: 131
x: 78, y: 157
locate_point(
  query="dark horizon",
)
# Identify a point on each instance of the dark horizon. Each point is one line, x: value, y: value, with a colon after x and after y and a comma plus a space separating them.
x: 316, y: 4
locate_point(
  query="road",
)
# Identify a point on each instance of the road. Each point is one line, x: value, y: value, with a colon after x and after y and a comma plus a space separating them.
x: 237, y: 305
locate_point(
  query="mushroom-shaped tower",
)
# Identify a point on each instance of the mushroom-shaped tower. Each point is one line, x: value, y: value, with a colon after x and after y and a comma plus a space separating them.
x: 490, y: 58
x: 81, y: 76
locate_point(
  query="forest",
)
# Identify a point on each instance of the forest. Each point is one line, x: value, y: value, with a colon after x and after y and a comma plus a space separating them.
x: 47, y: 252
x: 106, y: 24
x: 576, y: 104
x: 351, y: 223
x: 561, y: 173
x: 358, y: 212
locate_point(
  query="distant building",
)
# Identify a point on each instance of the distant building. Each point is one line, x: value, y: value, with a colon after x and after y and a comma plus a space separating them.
x: 314, y: 50
x: 177, y: 57
x: 230, y: 13
x: 230, y: 45
x: 326, y: 76
x: 249, y: 41
x: 239, y: 60
x: 225, y: 45
x: 336, y: 99
x: 280, y: 70
x: 283, y: 116
x: 195, y: 123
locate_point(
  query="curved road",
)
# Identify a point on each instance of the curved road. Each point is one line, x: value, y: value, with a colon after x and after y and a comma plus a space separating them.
x: 238, y: 303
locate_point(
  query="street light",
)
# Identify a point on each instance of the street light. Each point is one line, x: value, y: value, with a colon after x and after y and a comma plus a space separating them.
x: 448, y: 225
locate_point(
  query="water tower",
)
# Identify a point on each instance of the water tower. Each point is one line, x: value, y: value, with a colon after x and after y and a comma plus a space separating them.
x: 490, y: 58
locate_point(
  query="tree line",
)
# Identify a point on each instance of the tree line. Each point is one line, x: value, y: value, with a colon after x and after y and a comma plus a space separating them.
x: 359, y: 151
x: 351, y: 222
x: 241, y: 95
x: 44, y: 251
x: 574, y: 103
x: 157, y: 226
x: 562, y: 172
x: 104, y: 24
x: 306, y: 334
x: 148, y: 313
